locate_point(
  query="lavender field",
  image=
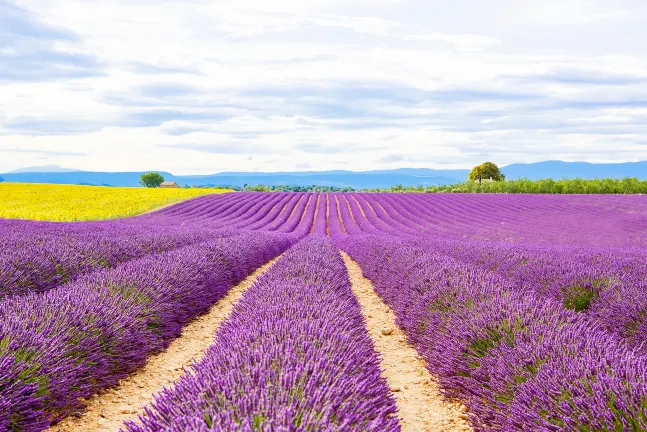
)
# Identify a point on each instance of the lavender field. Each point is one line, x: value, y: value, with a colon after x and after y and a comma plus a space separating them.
x: 530, y: 311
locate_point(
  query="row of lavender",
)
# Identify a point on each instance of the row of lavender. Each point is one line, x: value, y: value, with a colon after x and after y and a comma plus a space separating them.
x: 591, y: 220
x: 415, y: 215
x: 519, y: 361
x: 36, y: 257
x: 293, y: 355
x: 595, y: 221
x: 267, y: 212
x: 610, y: 285
x: 67, y: 343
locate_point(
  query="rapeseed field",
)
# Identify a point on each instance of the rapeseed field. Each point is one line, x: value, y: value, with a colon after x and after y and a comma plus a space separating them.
x: 67, y: 203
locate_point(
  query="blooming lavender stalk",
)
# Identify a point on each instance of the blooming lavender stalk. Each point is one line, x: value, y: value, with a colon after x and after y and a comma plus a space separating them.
x: 58, y: 253
x: 519, y: 361
x: 523, y: 305
x: 301, y: 220
x: 319, y: 224
x: 599, y: 221
x: 71, y: 341
x: 294, y: 355
x: 608, y: 285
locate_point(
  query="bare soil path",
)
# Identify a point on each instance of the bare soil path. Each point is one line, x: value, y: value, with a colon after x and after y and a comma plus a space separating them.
x: 108, y: 410
x: 421, y: 407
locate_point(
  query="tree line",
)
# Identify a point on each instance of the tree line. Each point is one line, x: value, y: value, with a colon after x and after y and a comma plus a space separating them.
x: 484, y: 178
x: 288, y: 188
x: 487, y: 178
x: 276, y: 188
x: 629, y: 185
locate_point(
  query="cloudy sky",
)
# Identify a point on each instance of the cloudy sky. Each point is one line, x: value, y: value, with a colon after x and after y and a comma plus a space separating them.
x: 195, y: 86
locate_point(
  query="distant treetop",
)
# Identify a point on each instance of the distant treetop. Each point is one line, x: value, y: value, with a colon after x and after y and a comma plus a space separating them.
x: 151, y: 180
x: 487, y: 170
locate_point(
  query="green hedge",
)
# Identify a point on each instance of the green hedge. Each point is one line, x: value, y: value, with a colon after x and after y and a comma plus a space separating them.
x: 545, y: 186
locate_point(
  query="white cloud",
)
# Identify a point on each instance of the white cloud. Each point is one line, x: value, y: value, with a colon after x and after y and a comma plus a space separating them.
x: 463, y: 42
x: 122, y: 84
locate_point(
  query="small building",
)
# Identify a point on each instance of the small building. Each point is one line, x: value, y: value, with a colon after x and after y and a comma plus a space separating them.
x: 169, y: 185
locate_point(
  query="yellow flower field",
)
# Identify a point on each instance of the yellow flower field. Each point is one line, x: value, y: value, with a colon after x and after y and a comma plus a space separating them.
x: 49, y: 202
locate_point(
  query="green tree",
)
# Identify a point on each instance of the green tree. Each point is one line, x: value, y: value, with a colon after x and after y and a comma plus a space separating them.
x: 487, y: 170
x: 151, y: 180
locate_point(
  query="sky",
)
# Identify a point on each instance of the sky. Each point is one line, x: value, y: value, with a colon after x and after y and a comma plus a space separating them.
x: 194, y: 87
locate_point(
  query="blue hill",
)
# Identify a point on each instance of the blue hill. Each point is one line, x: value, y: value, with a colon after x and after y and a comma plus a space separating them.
x: 358, y: 180
x: 558, y: 170
x: 78, y: 177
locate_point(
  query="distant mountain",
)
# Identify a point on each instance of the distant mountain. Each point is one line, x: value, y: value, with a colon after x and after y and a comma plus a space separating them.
x: 80, y: 177
x: 355, y: 179
x: 44, y: 169
x: 559, y: 169
x: 460, y: 174
x: 358, y: 180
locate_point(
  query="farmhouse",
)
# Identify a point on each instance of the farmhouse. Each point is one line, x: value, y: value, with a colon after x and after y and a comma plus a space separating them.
x: 169, y: 185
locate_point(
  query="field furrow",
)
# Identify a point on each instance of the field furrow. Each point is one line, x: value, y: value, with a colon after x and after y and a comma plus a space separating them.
x: 517, y: 361
x: 77, y: 339
x: 421, y: 406
x: 108, y: 410
x: 57, y: 256
x: 498, y: 312
x: 294, y: 355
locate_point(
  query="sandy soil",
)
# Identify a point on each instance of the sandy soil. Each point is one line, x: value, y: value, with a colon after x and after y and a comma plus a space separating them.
x: 421, y: 406
x: 108, y: 410
x: 350, y: 211
x: 305, y: 210
x: 294, y: 208
x: 341, y: 221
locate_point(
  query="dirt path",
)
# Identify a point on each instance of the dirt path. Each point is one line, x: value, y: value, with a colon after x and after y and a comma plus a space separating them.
x: 108, y: 410
x: 421, y: 406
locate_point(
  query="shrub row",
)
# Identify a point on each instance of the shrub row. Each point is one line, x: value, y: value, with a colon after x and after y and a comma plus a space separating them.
x: 294, y: 355
x: 517, y: 360
x: 69, y: 342
x: 36, y: 257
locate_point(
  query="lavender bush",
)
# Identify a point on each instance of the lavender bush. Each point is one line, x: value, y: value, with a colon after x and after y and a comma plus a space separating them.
x: 496, y: 347
x: 71, y: 341
x: 38, y: 257
x: 532, y: 310
x: 293, y: 355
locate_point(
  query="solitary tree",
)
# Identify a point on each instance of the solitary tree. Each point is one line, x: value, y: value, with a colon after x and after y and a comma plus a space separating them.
x: 151, y: 180
x: 488, y: 170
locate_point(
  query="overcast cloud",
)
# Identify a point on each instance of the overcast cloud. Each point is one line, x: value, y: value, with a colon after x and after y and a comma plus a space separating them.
x: 194, y: 86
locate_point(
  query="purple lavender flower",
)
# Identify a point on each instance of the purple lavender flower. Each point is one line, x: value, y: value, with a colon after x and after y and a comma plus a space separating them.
x: 294, y: 355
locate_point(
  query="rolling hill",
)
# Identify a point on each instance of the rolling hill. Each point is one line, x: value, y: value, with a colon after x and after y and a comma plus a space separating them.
x: 355, y: 179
